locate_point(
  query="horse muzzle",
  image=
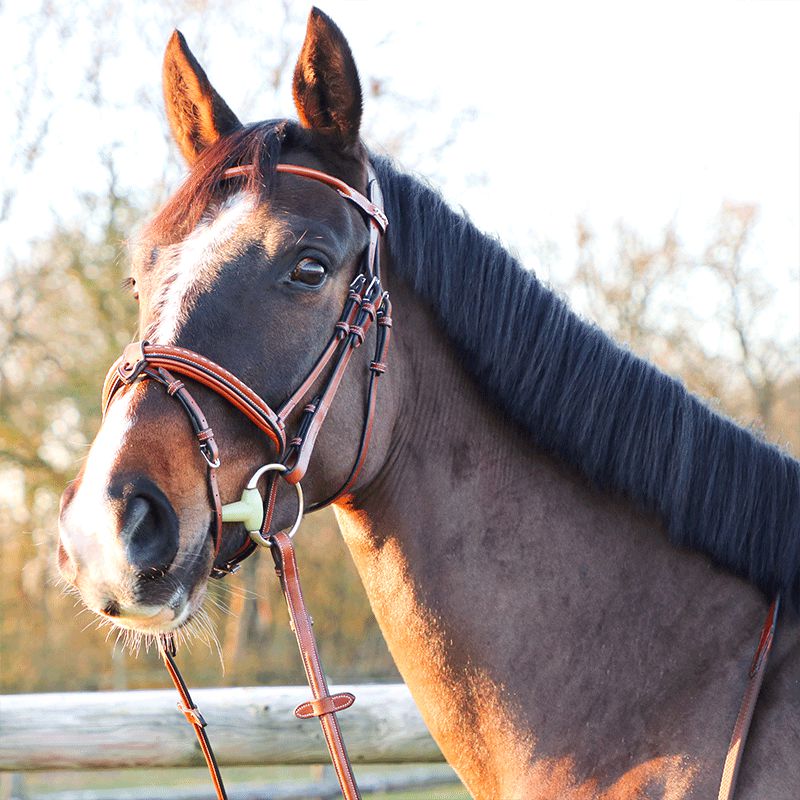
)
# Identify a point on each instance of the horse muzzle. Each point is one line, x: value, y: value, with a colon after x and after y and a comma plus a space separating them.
x: 125, y: 559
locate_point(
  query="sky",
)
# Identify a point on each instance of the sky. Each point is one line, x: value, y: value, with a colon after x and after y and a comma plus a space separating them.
x: 642, y: 112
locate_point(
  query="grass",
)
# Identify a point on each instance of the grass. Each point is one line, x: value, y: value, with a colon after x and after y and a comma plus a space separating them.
x: 39, y: 784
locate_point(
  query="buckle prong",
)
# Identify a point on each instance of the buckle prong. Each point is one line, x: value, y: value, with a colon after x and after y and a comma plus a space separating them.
x: 205, y: 451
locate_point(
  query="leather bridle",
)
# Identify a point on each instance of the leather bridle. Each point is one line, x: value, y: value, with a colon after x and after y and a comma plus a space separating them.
x: 366, y: 303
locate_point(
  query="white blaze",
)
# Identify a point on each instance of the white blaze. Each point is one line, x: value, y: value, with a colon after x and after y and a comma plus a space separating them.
x: 91, y: 518
x: 195, y: 262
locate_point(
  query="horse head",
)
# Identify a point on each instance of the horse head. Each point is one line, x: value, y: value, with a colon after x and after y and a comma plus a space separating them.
x: 248, y: 266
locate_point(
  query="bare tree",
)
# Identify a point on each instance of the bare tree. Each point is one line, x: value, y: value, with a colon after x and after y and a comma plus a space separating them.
x: 660, y: 300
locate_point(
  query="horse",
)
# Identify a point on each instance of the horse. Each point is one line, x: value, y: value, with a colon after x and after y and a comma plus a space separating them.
x: 569, y: 555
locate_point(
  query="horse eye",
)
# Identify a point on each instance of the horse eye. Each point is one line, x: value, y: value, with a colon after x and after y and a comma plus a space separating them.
x: 309, y: 272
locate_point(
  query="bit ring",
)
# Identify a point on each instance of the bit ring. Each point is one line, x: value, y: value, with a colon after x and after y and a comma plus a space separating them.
x: 252, y: 484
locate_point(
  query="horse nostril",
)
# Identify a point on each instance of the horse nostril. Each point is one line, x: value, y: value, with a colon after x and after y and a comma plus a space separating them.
x: 150, y: 533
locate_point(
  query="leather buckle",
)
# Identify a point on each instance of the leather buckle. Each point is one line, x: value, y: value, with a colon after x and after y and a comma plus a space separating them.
x: 208, y: 449
x: 193, y: 715
x: 133, y: 361
x: 220, y: 571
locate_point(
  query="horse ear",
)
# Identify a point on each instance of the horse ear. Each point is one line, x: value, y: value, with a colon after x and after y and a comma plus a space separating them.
x: 327, y: 92
x: 197, y: 115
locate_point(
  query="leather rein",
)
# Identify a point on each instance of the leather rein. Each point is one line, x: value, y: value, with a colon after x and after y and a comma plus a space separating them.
x: 366, y: 304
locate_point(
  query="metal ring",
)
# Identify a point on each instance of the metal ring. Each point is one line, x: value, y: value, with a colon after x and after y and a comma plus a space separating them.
x: 253, y: 484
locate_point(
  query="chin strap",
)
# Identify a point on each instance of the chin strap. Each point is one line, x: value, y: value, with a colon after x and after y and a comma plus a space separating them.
x: 323, y: 704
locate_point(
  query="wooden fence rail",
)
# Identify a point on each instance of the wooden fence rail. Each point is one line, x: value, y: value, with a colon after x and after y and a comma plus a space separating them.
x: 247, y: 726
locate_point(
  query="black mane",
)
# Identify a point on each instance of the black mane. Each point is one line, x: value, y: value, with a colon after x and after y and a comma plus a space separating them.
x: 627, y: 426
x: 615, y: 417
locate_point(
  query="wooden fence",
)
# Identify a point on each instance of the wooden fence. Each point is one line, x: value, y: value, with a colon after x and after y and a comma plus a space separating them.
x: 247, y: 726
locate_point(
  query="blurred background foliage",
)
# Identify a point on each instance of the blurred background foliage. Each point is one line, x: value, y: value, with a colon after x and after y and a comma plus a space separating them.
x: 707, y: 317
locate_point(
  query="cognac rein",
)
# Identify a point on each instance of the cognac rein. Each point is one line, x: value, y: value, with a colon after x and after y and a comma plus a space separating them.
x: 366, y: 304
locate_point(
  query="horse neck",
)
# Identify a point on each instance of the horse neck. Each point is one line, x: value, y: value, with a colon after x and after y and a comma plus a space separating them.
x: 493, y: 570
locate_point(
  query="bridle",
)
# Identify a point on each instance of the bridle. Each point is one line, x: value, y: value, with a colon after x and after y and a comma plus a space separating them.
x: 366, y: 303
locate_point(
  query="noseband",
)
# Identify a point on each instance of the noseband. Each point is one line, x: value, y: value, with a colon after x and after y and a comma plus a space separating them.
x: 366, y: 304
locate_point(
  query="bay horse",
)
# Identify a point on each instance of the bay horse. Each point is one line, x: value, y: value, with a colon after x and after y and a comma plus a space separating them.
x: 569, y: 555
